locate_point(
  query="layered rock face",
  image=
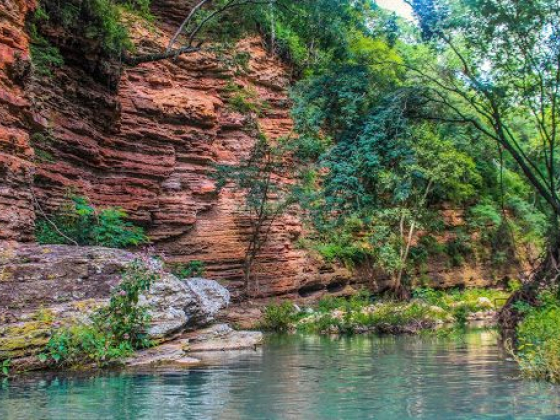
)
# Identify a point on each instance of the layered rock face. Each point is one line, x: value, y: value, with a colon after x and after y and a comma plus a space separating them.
x: 16, y: 155
x: 147, y: 139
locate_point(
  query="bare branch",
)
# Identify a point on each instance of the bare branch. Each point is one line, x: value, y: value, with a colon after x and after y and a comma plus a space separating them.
x: 185, y: 23
x: 147, y: 58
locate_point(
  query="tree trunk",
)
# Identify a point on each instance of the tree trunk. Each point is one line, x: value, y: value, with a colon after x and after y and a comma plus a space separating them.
x: 247, y: 274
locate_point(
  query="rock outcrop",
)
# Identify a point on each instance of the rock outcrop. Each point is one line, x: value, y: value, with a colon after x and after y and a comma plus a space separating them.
x: 41, y: 286
x: 176, y: 305
x: 198, y: 347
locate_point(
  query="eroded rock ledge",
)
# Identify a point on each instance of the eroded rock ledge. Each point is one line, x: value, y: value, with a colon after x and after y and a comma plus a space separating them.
x: 41, y: 285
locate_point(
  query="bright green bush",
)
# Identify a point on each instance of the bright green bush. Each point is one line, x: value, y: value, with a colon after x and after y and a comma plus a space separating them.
x: 79, y: 221
x: 115, y: 330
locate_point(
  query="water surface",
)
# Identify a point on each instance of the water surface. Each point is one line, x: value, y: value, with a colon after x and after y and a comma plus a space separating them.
x: 303, y: 377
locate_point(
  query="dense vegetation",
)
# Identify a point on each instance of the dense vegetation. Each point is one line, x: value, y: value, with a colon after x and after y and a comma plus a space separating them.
x: 538, y: 337
x: 391, y: 165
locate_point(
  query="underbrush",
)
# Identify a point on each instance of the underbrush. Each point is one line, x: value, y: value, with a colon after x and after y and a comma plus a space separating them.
x: 99, y: 21
x: 429, y: 309
x: 538, y: 335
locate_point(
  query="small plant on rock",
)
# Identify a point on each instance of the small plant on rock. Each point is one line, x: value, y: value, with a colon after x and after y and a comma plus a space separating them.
x: 114, y: 331
x: 5, y: 367
x: 195, y: 268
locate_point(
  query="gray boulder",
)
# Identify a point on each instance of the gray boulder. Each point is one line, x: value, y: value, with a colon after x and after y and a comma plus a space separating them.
x: 210, y: 297
x: 175, y: 305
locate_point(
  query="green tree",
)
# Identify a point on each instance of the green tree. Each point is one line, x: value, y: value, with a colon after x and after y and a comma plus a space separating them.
x: 498, y: 71
x: 262, y: 179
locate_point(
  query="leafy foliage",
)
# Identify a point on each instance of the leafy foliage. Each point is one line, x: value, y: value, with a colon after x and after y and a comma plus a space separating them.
x: 428, y: 309
x: 278, y: 317
x: 243, y: 100
x: 44, y: 55
x: 97, y: 20
x: 79, y: 221
x: 387, y: 158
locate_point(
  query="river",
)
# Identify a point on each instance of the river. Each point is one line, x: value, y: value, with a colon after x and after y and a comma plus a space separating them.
x: 302, y: 377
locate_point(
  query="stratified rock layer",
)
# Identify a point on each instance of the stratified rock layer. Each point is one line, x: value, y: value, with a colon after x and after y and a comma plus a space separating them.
x: 16, y: 168
x: 147, y: 139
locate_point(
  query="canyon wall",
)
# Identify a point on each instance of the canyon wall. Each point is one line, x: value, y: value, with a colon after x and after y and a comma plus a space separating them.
x: 146, y: 139
x: 16, y: 154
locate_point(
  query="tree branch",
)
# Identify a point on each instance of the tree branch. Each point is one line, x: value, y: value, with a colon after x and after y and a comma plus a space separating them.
x: 148, y: 58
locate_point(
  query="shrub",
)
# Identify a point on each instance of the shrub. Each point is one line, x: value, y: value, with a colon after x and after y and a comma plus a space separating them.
x: 79, y: 221
x: 459, y: 248
x: 44, y: 56
x: 243, y: 100
x: 193, y: 268
x: 115, y: 330
x: 96, y: 20
x: 454, y: 300
x: 279, y: 317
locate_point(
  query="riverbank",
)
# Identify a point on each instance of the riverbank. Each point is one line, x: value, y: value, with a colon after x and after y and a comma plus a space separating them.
x: 538, y: 337
x: 65, y: 307
x: 428, y: 310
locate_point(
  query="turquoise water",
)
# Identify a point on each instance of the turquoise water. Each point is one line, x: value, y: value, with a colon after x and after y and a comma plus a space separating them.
x: 303, y: 377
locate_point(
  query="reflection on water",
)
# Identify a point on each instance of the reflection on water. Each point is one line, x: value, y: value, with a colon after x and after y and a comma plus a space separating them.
x: 304, y: 377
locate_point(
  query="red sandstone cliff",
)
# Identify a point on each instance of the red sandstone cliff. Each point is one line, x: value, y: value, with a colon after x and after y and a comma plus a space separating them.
x: 16, y: 169
x: 145, y: 139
